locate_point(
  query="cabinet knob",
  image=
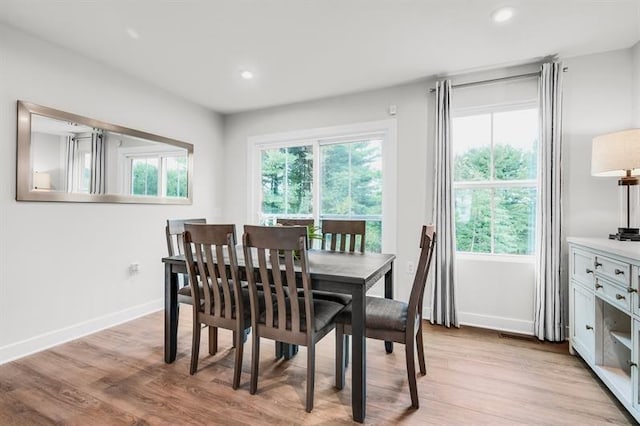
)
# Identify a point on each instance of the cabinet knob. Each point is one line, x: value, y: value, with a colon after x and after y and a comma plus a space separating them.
x: 620, y: 297
x: 619, y: 271
x: 588, y: 327
x: 597, y: 264
x: 631, y: 290
x: 598, y: 285
x: 589, y: 271
x: 631, y: 363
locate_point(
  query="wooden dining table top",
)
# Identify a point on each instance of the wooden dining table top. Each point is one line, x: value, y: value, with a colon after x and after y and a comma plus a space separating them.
x: 337, y: 266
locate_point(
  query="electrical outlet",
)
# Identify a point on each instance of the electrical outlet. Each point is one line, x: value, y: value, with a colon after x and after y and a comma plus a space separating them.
x: 411, y: 268
x: 134, y: 268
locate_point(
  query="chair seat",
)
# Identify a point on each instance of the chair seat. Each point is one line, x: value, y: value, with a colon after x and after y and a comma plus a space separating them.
x: 324, y: 313
x: 382, y: 314
x: 343, y: 299
x: 245, y: 302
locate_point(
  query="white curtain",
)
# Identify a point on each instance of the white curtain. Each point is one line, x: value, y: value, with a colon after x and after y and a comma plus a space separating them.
x: 98, y: 155
x: 548, y: 321
x: 443, y: 305
x: 70, y: 155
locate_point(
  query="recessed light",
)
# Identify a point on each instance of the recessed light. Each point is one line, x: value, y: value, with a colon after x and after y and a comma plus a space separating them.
x: 133, y: 33
x: 247, y: 75
x: 503, y: 14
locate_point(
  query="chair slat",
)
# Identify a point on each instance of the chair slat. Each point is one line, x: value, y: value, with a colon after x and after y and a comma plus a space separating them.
x: 343, y: 230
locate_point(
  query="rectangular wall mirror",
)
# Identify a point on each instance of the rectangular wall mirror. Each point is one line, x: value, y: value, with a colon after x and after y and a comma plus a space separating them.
x: 67, y: 157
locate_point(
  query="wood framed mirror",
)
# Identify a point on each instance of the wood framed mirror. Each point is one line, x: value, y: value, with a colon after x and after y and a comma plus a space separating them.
x: 69, y: 158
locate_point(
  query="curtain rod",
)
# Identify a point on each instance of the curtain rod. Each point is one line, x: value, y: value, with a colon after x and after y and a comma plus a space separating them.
x: 494, y: 80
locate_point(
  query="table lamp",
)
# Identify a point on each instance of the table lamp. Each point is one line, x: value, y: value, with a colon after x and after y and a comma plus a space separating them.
x: 41, y: 180
x: 618, y: 154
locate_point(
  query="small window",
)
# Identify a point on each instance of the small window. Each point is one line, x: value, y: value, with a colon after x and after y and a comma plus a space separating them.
x: 156, y: 175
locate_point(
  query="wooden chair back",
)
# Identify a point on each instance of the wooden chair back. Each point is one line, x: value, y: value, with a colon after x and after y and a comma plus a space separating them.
x: 285, y: 221
x: 339, y: 231
x: 174, y: 231
x: 281, y: 246
x: 427, y: 246
x: 209, y: 251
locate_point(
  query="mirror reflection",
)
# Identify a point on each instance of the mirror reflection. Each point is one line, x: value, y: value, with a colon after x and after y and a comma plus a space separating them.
x: 80, y: 160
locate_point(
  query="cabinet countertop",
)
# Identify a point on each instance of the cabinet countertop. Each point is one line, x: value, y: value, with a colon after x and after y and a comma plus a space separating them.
x: 628, y: 249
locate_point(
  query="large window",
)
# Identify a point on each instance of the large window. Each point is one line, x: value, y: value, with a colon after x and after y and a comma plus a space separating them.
x: 495, y: 169
x: 337, y: 177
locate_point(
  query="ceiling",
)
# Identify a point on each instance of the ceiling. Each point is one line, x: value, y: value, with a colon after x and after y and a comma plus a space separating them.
x: 308, y: 49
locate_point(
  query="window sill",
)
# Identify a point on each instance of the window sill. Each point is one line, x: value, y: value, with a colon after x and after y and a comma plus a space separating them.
x: 507, y: 258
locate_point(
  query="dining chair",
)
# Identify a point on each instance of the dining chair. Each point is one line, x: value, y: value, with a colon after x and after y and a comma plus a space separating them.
x: 394, y: 320
x: 175, y: 244
x: 336, y: 232
x: 285, y: 221
x: 294, y: 320
x: 212, y: 265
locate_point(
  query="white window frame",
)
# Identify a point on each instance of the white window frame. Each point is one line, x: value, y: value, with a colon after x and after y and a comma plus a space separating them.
x: 493, y: 183
x: 386, y: 130
x: 125, y: 160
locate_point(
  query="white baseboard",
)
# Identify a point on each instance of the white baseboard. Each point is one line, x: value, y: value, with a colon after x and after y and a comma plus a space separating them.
x: 491, y: 322
x: 35, y: 344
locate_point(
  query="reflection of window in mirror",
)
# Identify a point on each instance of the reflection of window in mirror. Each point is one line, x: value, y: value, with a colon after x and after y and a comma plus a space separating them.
x: 153, y: 169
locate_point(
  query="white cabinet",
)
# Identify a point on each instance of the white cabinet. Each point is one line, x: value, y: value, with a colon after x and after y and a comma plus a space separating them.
x: 604, y: 313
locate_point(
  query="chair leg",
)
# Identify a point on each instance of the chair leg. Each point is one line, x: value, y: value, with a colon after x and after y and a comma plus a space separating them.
x: 340, y: 354
x: 311, y: 375
x: 411, y: 372
x: 195, y: 347
x: 420, y: 344
x: 213, y: 340
x: 255, y: 363
x: 346, y: 350
x: 237, y: 369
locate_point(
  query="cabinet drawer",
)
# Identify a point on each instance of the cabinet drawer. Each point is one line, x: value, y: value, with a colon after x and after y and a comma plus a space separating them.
x: 613, y: 293
x: 615, y: 270
x: 582, y: 266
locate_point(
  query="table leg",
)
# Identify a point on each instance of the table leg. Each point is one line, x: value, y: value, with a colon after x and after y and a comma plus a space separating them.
x: 358, y: 354
x: 170, y: 314
x: 388, y: 293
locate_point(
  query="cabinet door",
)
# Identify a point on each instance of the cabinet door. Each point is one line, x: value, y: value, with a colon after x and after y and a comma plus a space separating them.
x: 635, y: 359
x: 583, y: 333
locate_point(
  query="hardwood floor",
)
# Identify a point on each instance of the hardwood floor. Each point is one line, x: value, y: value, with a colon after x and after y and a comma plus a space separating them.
x: 474, y: 376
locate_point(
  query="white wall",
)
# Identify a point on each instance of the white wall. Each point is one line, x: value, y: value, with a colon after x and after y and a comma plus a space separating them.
x: 597, y: 100
x: 64, y: 266
x: 635, y: 57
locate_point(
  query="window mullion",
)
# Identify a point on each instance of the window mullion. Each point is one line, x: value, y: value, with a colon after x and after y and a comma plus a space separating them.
x: 316, y: 184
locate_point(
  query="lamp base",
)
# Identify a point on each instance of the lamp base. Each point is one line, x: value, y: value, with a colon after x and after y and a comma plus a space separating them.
x: 626, y: 234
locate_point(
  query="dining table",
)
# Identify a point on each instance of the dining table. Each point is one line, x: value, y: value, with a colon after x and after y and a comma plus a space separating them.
x: 346, y: 273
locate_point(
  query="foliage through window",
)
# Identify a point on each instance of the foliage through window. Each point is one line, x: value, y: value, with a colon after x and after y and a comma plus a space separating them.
x: 495, y: 169
x: 327, y: 179
x: 155, y: 175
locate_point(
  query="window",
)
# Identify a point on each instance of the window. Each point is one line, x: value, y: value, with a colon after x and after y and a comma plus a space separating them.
x: 494, y: 180
x: 157, y: 174
x: 335, y: 177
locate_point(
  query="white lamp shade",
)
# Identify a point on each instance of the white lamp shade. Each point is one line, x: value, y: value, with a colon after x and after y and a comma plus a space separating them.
x: 615, y: 153
x: 41, y: 180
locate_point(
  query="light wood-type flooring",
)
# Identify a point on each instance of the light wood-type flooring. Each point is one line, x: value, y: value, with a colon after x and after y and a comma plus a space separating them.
x: 474, y: 376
